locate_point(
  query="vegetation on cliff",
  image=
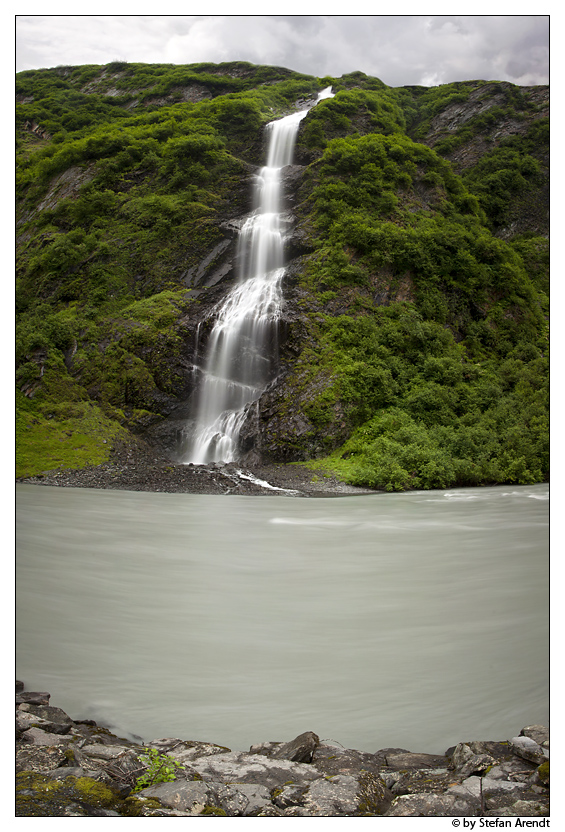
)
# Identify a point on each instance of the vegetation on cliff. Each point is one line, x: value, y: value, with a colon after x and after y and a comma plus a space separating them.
x: 423, y: 293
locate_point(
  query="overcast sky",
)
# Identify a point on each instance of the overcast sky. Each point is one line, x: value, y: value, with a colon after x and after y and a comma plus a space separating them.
x: 398, y: 49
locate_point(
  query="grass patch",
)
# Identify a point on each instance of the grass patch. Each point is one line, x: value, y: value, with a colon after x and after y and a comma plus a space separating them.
x: 73, y: 436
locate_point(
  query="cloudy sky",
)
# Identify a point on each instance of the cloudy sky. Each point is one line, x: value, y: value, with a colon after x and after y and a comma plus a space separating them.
x: 398, y: 49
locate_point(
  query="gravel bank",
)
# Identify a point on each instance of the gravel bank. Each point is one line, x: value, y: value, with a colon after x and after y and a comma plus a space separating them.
x: 141, y: 470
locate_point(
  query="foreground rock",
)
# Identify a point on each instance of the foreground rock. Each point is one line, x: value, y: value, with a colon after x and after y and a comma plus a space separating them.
x: 74, y: 768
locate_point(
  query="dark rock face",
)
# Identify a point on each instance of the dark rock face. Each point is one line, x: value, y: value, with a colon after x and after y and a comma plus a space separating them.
x: 264, y: 433
x: 83, y: 770
x: 529, y: 215
x: 278, y: 428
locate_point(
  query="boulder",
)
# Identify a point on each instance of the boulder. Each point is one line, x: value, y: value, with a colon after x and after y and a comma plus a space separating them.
x: 291, y: 795
x: 466, y: 762
x: 26, y: 720
x: 538, y: 733
x: 50, y: 719
x: 299, y: 750
x: 477, y: 786
x: 433, y: 805
x: 265, y: 748
x: 399, y: 760
x: 529, y: 749
x: 333, y: 796
x: 243, y: 799
x: 242, y: 767
x: 184, y: 751
x: 414, y: 781
x: 186, y: 795
x: 39, y: 758
x: 523, y: 809
x: 31, y: 697
x: 497, y: 795
x: 37, y: 736
x: 331, y: 759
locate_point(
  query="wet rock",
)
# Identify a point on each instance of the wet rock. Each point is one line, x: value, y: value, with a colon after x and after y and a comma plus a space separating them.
x: 538, y: 733
x: 37, y: 736
x: 477, y: 786
x: 186, y: 751
x: 299, y: 750
x: 39, y: 758
x: 50, y: 719
x: 264, y: 748
x: 336, y: 796
x: 332, y: 759
x: 373, y: 795
x: 417, y: 780
x: 523, y: 809
x: 496, y: 795
x: 69, y: 771
x: 25, y: 720
x: 466, y: 762
x: 512, y: 769
x: 242, y: 767
x: 243, y: 799
x: 217, y: 265
x: 184, y: 795
x: 529, y: 749
x: 399, y: 760
x: 433, y: 805
x: 29, y: 697
x: 101, y: 752
x: 291, y: 795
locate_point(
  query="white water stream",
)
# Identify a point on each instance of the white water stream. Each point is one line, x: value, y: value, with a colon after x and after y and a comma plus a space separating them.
x: 242, y: 352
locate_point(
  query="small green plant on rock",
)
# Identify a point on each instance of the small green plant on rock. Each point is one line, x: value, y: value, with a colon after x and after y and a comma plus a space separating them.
x: 159, y: 768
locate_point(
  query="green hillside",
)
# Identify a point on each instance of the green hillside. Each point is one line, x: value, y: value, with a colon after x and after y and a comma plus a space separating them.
x: 415, y: 348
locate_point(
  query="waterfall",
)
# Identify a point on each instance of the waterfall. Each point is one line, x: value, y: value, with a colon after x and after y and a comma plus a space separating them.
x: 242, y: 350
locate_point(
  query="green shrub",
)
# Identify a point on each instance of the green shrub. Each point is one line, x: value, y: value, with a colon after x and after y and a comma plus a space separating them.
x: 159, y: 768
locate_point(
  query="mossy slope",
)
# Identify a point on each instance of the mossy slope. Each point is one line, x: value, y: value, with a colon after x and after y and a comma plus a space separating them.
x: 420, y: 311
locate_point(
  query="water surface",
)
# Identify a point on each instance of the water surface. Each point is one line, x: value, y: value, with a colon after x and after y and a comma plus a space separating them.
x: 410, y: 620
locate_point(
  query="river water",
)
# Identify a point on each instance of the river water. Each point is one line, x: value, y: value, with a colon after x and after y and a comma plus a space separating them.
x: 412, y: 620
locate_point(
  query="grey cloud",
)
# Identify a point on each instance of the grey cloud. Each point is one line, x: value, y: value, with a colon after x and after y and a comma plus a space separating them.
x: 399, y: 49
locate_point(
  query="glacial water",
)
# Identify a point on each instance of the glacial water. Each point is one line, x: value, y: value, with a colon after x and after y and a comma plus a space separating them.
x: 410, y: 620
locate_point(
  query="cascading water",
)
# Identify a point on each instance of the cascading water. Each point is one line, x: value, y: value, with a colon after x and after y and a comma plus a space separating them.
x: 242, y: 352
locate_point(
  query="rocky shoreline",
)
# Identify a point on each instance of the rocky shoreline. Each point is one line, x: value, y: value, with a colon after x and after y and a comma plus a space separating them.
x: 139, y: 469
x: 75, y: 768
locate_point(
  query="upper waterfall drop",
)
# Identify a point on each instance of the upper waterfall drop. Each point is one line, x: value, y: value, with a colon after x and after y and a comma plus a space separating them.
x: 242, y: 351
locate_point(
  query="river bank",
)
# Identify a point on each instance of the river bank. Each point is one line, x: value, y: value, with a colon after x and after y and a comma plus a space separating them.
x: 76, y: 768
x: 140, y: 469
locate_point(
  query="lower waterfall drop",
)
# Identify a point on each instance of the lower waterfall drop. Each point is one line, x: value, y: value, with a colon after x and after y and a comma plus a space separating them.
x: 242, y: 350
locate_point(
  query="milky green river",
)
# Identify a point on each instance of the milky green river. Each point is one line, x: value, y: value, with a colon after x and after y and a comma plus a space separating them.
x: 410, y: 620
